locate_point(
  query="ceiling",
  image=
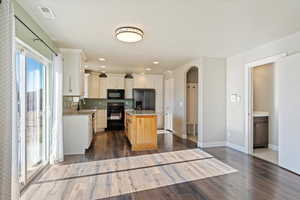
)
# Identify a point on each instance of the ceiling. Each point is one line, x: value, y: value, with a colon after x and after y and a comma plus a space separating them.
x: 176, y: 31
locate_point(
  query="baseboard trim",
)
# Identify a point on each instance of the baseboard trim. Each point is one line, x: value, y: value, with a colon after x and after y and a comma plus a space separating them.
x: 236, y: 147
x: 212, y: 144
x: 273, y: 147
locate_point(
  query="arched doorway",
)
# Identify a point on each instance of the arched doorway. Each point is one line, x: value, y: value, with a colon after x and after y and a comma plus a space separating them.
x: 192, y: 81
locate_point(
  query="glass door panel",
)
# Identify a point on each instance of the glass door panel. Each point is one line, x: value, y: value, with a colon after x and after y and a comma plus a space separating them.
x: 31, y: 100
x: 35, y: 115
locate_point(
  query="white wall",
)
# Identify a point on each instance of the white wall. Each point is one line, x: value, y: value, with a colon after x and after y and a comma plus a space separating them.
x: 214, y: 101
x: 212, y: 90
x: 236, y: 83
x: 289, y: 115
x: 264, y: 97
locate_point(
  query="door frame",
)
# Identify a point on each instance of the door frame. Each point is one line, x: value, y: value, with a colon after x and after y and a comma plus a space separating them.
x: 24, y: 50
x: 200, y: 142
x: 168, y: 112
x: 249, y: 98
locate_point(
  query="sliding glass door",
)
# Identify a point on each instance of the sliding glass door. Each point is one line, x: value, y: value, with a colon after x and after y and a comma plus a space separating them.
x: 33, y: 137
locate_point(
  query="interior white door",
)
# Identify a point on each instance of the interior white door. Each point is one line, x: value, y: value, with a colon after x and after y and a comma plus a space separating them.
x: 168, y: 105
x: 288, y: 70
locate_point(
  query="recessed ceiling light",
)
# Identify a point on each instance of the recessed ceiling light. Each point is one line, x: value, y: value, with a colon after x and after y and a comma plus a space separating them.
x: 148, y: 69
x: 129, y: 34
x: 155, y: 62
x: 102, y: 59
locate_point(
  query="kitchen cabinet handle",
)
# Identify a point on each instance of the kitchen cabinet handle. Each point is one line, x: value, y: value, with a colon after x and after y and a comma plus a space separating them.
x: 70, y: 84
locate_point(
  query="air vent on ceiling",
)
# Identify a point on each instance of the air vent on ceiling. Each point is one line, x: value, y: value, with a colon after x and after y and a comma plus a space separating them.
x: 46, y: 12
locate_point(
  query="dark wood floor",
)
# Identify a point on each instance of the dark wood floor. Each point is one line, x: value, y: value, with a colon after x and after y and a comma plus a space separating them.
x: 256, y: 179
x: 114, y: 144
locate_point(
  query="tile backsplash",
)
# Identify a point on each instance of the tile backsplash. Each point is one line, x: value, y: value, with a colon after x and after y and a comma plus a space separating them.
x: 102, y: 103
x: 71, y: 103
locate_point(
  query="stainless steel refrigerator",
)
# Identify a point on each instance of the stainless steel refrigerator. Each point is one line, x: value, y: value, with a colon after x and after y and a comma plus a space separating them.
x: 144, y: 99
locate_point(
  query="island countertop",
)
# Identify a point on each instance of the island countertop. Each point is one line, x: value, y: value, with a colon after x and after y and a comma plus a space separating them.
x: 80, y: 112
x: 141, y: 112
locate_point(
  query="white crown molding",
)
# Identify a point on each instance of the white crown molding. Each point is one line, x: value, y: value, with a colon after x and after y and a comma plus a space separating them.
x: 74, y: 51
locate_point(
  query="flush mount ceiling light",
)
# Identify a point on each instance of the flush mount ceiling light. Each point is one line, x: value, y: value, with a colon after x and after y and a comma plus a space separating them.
x: 148, y: 69
x: 155, y: 62
x: 101, y: 59
x: 129, y: 34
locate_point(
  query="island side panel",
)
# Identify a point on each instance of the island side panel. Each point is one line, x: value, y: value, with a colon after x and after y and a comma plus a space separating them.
x: 145, y: 137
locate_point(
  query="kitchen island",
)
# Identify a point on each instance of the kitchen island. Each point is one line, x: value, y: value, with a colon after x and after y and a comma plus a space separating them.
x: 77, y: 131
x: 141, y: 129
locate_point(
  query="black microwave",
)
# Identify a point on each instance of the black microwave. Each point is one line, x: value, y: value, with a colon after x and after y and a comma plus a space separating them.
x: 115, y: 94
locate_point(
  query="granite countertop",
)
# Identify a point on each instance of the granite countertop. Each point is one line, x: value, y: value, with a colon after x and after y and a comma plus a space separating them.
x: 80, y: 112
x: 141, y: 112
x: 260, y: 114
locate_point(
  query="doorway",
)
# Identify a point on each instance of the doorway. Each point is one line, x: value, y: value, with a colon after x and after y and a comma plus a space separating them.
x: 261, y: 109
x: 32, y: 96
x: 168, y: 99
x: 192, y: 79
x: 264, y: 109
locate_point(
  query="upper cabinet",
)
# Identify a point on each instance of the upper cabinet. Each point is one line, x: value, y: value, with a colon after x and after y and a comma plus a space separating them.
x: 93, y: 85
x: 115, y: 81
x: 73, y: 72
x: 103, y: 84
x: 129, y: 83
x: 151, y: 81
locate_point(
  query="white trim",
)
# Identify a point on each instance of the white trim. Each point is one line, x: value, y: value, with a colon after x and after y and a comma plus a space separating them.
x: 212, y: 144
x: 22, y: 44
x: 273, y: 147
x: 248, y: 97
x: 74, y: 51
x: 200, y: 102
x: 236, y: 147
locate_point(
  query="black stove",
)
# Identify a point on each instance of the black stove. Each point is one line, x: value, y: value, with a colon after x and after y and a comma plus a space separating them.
x: 115, y: 116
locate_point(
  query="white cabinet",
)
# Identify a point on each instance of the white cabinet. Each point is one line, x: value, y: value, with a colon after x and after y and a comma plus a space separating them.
x: 115, y: 81
x: 129, y: 83
x: 93, y: 86
x: 77, y: 133
x: 86, y: 86
x: 101, y: 120
x: 73, y: 73
x: 139, y: 81
x: 103, y: 87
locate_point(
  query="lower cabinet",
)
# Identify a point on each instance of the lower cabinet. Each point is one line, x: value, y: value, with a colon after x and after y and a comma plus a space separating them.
x: 101, y: 120
x: 261, y: 132
x: 141, y: 131
x: 77, y: 133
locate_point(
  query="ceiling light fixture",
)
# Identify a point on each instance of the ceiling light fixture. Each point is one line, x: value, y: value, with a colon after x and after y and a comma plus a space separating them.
x: 155, y: 62
x: 129, y: 34
x: 101, y: 59
x: 148, y: 69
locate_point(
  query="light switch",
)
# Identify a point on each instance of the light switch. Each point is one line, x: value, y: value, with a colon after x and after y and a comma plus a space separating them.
x: 233, y: 98
x: 180, y: 103
x: 238, y: 98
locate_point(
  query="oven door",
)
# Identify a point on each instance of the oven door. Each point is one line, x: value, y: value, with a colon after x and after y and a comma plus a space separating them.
x: 115, y: 94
